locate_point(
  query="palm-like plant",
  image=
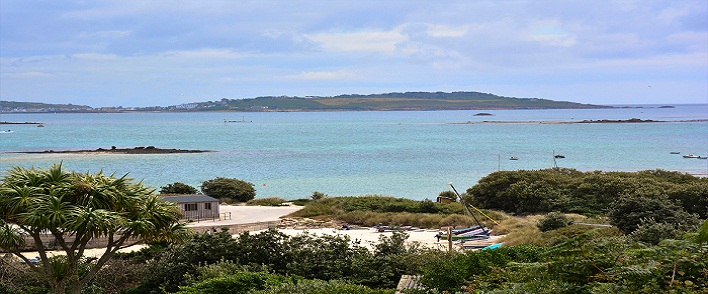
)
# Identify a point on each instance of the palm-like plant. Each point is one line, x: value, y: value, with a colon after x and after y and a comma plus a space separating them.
x: 75, y: 208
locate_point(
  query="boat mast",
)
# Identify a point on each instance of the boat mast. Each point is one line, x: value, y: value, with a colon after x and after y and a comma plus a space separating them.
x: 555, y: 165
x: 468, y: 209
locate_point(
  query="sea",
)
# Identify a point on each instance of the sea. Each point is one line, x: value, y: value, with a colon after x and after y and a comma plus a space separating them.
x: 409, y: 154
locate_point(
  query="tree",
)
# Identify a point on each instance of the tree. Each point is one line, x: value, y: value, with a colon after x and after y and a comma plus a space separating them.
x: 75, y: 208
x: 316, y: 195
x: 553, y: 220
x: 449, y: 195
x: 234, y: 189
x: 628, y: 212
x: 178, y: 188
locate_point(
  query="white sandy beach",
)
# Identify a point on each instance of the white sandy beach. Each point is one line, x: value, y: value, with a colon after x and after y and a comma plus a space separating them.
x: 254, y: 214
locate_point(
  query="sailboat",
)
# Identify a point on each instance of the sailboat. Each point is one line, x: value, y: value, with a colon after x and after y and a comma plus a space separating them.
x: 477, y: 232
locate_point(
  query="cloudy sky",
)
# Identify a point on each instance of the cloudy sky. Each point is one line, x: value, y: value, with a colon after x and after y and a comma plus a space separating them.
x: 148, y: 53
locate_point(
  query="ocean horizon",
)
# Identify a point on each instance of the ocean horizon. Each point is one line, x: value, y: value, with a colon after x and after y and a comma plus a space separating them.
x: 411, y: 154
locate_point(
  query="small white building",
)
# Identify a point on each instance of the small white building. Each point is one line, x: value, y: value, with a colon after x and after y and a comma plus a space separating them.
x: 195, y: 206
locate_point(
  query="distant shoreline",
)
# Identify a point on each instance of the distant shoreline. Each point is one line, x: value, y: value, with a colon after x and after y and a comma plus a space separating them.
x: 560, y: 122
x: 114, y: 150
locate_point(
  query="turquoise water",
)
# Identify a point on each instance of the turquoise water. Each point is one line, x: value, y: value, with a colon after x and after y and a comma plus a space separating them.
x: 410, y: 154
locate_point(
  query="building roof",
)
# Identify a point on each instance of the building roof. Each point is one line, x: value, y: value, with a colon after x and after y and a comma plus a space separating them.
x: 188, y: 198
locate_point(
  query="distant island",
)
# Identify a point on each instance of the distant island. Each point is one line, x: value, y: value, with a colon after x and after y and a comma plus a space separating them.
x: 115, y: 150
x: 355, y: 102
x: 601, y: 121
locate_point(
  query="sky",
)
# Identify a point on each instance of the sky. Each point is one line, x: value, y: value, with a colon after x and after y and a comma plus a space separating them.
x: 167, y: 52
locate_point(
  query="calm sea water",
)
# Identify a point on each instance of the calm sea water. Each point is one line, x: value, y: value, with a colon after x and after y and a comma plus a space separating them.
x: 409, y: 154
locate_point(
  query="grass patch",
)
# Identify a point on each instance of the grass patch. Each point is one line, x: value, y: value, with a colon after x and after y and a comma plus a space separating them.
x: 524, y: 230
x: 371, y: 210
x: 270, y: 201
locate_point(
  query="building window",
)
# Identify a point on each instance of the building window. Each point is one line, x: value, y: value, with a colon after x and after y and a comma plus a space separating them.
x: 207, y: 206
x: 190, y: 207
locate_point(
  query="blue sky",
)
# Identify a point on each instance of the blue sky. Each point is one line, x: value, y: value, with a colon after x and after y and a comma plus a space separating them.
x: 149, y: 53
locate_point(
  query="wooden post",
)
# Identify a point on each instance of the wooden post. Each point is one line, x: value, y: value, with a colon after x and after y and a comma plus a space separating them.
x: 449, y: 239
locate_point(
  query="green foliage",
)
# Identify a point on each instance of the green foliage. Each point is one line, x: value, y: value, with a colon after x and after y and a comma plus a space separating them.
x: 301, y: 201
x: 652, y: 232
x: 81, y: 206
x: 169, y: 268
x: 591, y: 262
x: 234, y: 189
x: 591, y: 193
x: 702, y: 236
x: 321, y: 287
x: 317, y: 195
x: 373, y: 209
x: 239, y: 282
x: 552, y: 221
x: 312, y: 257
x: 270, y: 201
x: 449, y: 195
x: 628, y: 212
x: 178, y: 188
x: 457, y: 270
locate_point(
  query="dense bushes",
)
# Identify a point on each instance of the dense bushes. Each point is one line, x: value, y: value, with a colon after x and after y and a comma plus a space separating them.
x: 628, y: 212
x: 307, y: 256
x: 649, y: 201
x: 227, y: 188
x: 371, y: 210
x: 178, y: 188
x: 568, y: 190
x: 552, y: 221
x: 587, y: 263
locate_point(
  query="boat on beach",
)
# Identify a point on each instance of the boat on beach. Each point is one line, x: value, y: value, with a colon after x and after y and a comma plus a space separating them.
x: 470, y: 233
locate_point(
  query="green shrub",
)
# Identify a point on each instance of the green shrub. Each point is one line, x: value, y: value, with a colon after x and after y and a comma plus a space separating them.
x: 239, y: 282
x: 589, y: 193
x: 652, y: 232
x: 317, y: 195
x: 178, y: 188
x: 628, y: 212
x: 321, y: 287
x: 235, y: 189
x: 449, y: 195
x: 301, y: 201
x: 552, y: 221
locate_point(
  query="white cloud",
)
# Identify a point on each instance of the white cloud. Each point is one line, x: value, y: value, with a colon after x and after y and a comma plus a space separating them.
x: 362, y: 41
x: 323, y: 75
x: 550, y: 32
x: 105, y: 34
x: 95, y: 56
x: 437, y: 30
x: 31, y: 74
x: 203, y: 53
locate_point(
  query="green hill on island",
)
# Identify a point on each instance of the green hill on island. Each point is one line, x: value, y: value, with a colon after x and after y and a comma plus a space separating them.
x: 398, y: 101
x: 350, y: 102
